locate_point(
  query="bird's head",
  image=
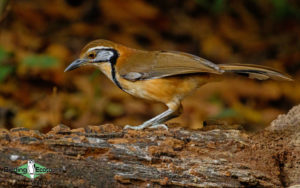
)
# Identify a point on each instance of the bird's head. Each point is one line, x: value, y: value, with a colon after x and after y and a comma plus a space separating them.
x: 95, y: 52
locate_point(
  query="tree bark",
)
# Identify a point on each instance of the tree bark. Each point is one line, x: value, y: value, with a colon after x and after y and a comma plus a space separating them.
x: 107, y: 156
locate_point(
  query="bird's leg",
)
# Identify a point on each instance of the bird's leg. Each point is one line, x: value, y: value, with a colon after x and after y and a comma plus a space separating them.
x: 156, y: 122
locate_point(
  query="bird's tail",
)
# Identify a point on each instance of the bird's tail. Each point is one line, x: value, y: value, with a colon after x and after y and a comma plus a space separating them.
x: 255, y: 71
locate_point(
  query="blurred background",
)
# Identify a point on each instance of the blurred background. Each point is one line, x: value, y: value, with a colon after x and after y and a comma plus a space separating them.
x: 38, y: 39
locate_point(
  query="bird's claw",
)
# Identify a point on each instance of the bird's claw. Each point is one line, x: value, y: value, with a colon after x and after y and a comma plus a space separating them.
x: 164, y: 126
x: 141, y: 127
x: 133, y: 127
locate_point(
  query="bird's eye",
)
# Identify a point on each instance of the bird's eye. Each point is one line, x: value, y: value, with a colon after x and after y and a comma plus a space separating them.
x: 91, y: 56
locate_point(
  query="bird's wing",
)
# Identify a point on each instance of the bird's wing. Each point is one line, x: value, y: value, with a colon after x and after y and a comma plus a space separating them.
x: 157, y: 64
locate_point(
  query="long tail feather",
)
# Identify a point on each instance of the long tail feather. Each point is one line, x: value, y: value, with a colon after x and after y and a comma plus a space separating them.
x: 255, y: 71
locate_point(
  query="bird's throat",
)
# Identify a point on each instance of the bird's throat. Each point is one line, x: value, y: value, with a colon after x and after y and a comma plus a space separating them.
x: 110, y: 71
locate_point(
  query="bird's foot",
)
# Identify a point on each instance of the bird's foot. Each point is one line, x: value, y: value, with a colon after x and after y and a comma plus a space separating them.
x: 143, y: 126
x: 157, y: 126
x: 140, y: 127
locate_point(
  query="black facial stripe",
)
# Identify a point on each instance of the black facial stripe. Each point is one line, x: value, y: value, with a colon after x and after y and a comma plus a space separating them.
x: 113, y: 74
x: 113, y: 61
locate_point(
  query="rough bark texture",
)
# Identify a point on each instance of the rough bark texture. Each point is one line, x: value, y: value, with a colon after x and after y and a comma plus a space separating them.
x: 107, y: 156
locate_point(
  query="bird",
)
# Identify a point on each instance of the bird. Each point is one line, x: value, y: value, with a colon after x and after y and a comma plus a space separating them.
x: 161, y: 76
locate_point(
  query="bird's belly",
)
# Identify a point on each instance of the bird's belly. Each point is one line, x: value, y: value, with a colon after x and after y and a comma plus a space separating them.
x: 164, y: 89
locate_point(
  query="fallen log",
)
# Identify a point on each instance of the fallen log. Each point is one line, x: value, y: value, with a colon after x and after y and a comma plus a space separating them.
x: 108, y: 156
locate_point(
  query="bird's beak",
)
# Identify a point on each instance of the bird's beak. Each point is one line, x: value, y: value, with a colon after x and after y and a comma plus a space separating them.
x: 75, y: 64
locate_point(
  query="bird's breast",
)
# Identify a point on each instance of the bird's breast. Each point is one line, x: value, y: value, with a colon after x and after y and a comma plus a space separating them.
x: 163, y: 89
x: 160, y: 89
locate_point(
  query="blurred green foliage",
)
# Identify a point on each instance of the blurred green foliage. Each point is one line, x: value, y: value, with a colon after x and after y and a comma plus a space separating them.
x: 283, y: 9
x: 215, y: 6
x: 3, y: 54
x: 40, y: 61
x: 5, y: 70
x: 114, y: 109
x: 226, y: 113
x: 216, y: 99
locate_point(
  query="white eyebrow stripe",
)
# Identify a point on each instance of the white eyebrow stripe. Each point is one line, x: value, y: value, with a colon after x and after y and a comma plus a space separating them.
x: 99, y: 48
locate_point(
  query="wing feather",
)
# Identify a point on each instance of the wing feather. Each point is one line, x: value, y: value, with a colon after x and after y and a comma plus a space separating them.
x: 144, y: 65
